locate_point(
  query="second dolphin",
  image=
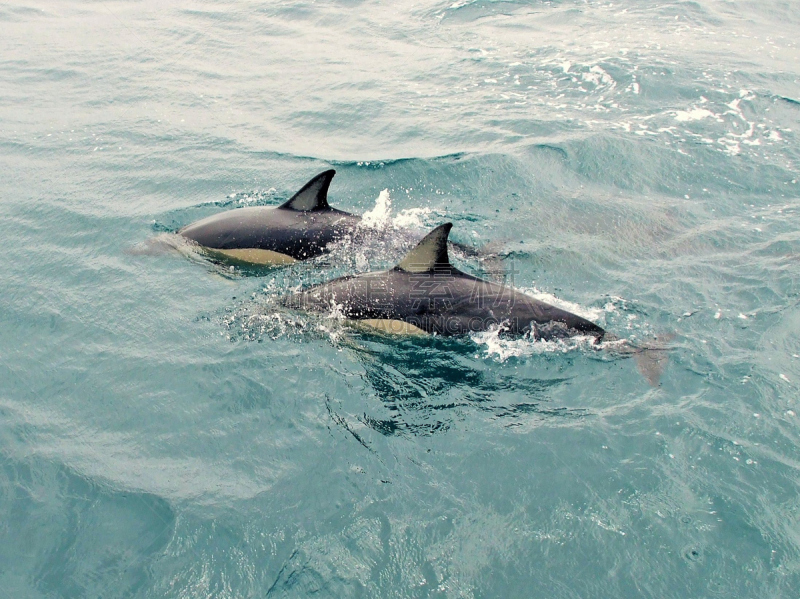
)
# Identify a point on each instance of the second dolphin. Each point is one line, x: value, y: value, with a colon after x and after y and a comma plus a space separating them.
x: 425, y: 293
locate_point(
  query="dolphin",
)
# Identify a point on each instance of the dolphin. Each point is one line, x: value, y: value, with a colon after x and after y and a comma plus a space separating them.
x: 426, y: 294
x: 299, y: 229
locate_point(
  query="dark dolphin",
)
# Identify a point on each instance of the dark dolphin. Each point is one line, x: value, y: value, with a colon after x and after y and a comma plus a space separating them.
x: 299, y: 229
x: 426, y: 293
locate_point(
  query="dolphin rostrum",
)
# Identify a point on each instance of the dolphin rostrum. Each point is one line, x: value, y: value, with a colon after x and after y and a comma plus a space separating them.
x: 299, y: 229
x: 425, y: 293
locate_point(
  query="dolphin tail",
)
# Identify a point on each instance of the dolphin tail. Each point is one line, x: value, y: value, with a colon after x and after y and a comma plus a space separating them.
x: 652, y: 358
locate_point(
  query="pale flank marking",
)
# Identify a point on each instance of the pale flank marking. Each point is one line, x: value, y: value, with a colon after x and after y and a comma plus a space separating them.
x: 253, y: 256
x: 397, y: 327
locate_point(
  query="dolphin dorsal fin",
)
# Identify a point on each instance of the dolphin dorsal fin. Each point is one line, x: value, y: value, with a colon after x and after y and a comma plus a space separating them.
x: 430, y: 253
x: 313, y: 195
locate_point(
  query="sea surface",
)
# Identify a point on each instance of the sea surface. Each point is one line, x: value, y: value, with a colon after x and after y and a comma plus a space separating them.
x: 168, y: 430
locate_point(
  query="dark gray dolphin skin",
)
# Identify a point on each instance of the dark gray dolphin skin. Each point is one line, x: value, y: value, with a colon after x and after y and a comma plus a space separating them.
x: 425, y: 293
x: 299, y: 229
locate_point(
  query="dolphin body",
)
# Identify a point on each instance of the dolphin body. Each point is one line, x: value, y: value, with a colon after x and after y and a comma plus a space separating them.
x: 299, y: 229
x: 425, y: 293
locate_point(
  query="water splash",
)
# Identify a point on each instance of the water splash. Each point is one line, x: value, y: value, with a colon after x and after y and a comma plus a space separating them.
x: 596, y: 315
x: 501, y: 348
x: 380, y: 217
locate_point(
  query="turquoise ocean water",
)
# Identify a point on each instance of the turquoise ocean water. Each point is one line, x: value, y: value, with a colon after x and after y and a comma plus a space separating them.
x: 167, y: 431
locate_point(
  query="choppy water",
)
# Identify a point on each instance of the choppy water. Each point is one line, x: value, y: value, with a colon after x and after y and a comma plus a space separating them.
x: 165, y: 432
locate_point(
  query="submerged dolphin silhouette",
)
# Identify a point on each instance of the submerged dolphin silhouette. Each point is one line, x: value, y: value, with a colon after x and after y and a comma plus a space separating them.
x: 425, y: 293
x: 299, y: 229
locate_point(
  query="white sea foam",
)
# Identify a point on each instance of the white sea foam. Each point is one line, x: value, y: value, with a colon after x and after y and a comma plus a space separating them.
x: 412, y: 217
x: 593, y: 314
x: 502, y: 348
x: 696, y: 114
x: 379, y: 216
